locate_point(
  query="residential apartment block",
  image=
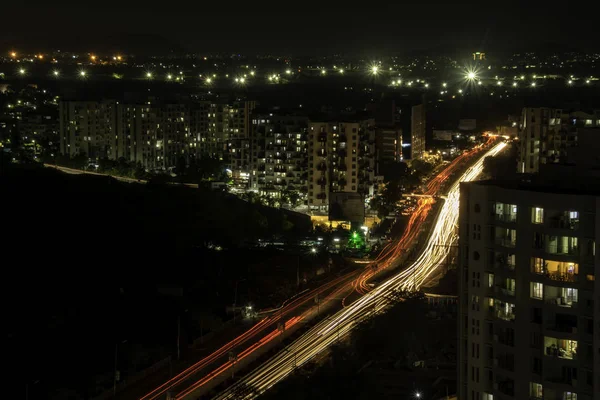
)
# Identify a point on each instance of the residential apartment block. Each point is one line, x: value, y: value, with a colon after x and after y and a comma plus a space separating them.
x: 278, y: 148
x: 529, y: 324
x: 341, y: 158
x: 546, y: 134
x: 417, y: 132
x: 157, y: 134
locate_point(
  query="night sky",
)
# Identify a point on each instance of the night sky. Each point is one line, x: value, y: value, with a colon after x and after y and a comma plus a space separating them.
x: 297, y: 27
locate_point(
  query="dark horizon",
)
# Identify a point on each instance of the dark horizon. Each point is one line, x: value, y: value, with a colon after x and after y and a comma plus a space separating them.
x: 295, y: 28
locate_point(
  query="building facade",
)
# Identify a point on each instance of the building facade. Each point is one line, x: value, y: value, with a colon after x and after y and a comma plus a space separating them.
x: 341, y: 158
x: 417, y: 132
x: 546, y: 134
x: 529, y: 324
x: 155, y: 134
x: 278, y: 151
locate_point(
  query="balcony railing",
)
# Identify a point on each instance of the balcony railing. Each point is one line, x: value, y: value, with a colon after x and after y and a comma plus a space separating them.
x: 505, y: 217
x: 506, y: 242
x: 553, y: 248
x: 504, y: 291
x: 505, y: 266
x: 561, y: 301
x: 562, y: 276
x: 504, y: 315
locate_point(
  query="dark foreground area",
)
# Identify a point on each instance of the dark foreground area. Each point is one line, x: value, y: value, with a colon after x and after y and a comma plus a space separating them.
x: 96, y: 269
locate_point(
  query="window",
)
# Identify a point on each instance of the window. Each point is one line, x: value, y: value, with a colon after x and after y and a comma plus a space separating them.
x: 487, y: 396
x: 490, y: 280
x: 536, y: 290
x: 537, y: 215
x: 569, y: 396
x: 536, y: 390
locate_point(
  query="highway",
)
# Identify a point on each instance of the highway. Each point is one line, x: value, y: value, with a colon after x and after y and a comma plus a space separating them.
x: 207, y: 372
x: 442, y: 236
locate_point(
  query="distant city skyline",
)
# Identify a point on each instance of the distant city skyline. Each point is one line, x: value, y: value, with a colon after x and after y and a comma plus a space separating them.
x: 294, y: 28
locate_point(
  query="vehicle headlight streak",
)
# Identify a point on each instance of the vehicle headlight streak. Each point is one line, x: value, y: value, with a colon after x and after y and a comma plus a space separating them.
x: 442, y: 237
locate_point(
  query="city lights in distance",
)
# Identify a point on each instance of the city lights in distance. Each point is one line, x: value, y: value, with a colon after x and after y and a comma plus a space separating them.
x: 208, y: 80
x: 22, y: 71
x: 323, y: 72
x: 471, y: 75
x: 169, y: 77
x: 374, y: 70
x: 341, y: 70
x: 242, y: 80
x: 13, y: 54
x: 479, y: 82
x: 252, y: 73
x: 288, y: 71
x: 149, y: 75
x: 570, y: 82
x: 532, y: 84
x: 82, y: 74
x: 56, y: 72
x: 499, y: 83
x: 93, y: 57
x: 587, y: 81
x: 460, y: 90
x: 514, y: 84
x: 444, y: 84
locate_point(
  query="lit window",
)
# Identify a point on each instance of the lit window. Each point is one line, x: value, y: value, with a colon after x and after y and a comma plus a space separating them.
x: 537, y: 290
x: 536, y: 390
x: 537, y: 215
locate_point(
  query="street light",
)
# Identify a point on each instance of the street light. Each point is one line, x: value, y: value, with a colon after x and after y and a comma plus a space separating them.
x: 22, y: 71
x: 532, y: 84
x: 341, y: 71
x: 471, y: 75
x: 444, y: 84
x: 313, y: 250
x: 169, y: 77
x: 208, y: 81
x: 82, y: 74
x: 514, y: 84
x: 56, y: 72
x: 374, y: 70
x: 418, y: 395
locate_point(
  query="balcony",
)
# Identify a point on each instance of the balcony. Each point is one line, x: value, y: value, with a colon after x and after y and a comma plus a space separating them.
x: 322, y: 167
x: 561, y: 302
x: 506, y: 315
x: 505, y: 217
x: 561, y: 276
x: 322, y: 181
x: 505, y: 266
x: 505, y: 241
x: 503, y: 290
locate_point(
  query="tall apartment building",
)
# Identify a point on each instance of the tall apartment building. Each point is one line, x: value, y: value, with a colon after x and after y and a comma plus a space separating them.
x: 529, y: 325
x: 417, y: 131
x: 157, y: 134
x: 388, y: 145
x: 87, y: 127
x: 278, y: 145
x: 340, y: 159
x: 546, y: 134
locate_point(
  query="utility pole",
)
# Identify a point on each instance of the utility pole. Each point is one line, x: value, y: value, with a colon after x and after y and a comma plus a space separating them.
x: 178, y: 335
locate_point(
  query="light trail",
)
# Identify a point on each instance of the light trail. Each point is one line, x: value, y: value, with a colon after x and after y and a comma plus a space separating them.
x: 253, y: 333
x: 321, y: 336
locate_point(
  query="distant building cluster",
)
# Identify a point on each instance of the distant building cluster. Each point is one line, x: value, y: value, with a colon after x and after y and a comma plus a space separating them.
x: 268, y: 152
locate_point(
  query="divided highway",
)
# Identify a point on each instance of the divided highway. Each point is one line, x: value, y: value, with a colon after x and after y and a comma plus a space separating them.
x: 442, y: 236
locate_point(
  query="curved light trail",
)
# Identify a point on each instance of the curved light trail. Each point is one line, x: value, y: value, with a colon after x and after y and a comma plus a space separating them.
x: 442, y: 237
